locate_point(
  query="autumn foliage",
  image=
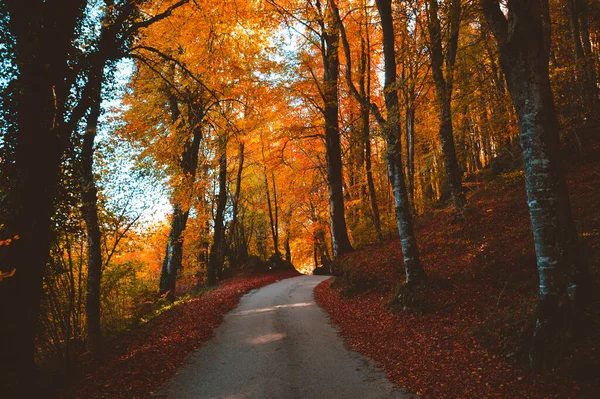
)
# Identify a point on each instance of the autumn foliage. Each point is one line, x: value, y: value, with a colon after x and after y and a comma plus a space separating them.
x: 149, y: 149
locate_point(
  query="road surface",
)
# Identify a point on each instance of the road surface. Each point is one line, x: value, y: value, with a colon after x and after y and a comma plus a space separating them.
x: 279, y: 344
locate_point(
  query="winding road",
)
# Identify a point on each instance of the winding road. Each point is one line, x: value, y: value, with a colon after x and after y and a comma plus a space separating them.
x: 278, y: 344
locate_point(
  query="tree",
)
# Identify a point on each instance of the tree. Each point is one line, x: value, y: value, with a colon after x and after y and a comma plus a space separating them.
x: 443, y: 87
x: 415, y: 274
x: 217, y: 250
x: 582, y: 52
x: 114, y: 39
x: 323, y: 26
x: 363, y: 96
x: 240, y: 250
x: 523, y: 37
x: 43, y: 35
x: 188, y: 163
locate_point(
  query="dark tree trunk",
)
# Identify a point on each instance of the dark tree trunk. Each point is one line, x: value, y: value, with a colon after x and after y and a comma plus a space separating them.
x: 272, y: 218
x: 370, y: 182
x: 443, y: 86
x: 584, y: 63
x: 339, y: 232
x: 89, y: 211
x: 410, y: 145
x: 365, y: 114
x: 364, y: 99
x: 288, y: 250
x: 276, y: 224
x: 188, y: 163
x: 107, y: 50
x: 590, y: 63
x: 215, y: 263
x: 415, y: 273
x: 524, y: 45
x: 573, y: 11
x: 43, y: 35
x: 239, y: 252
x: 174, y: 252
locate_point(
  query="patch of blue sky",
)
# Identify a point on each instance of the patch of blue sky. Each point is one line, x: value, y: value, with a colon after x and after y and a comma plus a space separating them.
x: 137, y: 192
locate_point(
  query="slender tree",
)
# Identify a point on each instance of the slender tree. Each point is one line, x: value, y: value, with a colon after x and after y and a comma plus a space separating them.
x: 215, y: 262
x: 363, y: 96
x: 415, y: 274
x: 188, y: 163
x: 583, y: 57
x: 331, y: 65
x: 239, y: 250
x: 443, y: 89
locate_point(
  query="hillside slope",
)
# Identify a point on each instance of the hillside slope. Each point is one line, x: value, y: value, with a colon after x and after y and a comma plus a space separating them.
x: 472, y: 341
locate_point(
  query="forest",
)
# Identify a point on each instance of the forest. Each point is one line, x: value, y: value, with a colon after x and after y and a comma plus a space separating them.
x: 441, y: 159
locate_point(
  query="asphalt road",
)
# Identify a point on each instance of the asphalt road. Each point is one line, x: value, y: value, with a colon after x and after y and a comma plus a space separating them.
x: 278, y: 343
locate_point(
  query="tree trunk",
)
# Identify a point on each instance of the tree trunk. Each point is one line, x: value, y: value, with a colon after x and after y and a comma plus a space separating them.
x: 415, y: 273
x: 524, y: 45
x: 288, y: 250
x: 272, y: 217
x: 443, y: 86
x: 339, y: 232
x: 410, y: 145
x: 364, y: 99
x: 370, y: 182
x: 89, y: 211
x: 215, y: 263
x: 590, y: 61
x: 43, y: 36
x: 583, y: 57
x: 573, y: 11
x: 238, y: 255
x: 276, y: 224
x: 188, y: 163
x: 365, y: 114
x: 174, y: 252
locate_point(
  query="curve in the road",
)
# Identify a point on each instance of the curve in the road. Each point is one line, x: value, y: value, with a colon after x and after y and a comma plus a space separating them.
x: 278, y: 344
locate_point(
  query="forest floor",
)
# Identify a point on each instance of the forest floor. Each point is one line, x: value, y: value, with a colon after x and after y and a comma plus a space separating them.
x: 142, y: 360
x: 472, y: 342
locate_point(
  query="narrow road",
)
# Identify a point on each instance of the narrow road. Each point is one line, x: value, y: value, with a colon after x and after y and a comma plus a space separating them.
x: 279, y: 344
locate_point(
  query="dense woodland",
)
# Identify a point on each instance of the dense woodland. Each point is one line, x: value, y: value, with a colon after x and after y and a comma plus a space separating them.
x: 149, y: 149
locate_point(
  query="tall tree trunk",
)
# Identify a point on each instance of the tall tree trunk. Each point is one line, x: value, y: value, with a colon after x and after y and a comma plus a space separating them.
x: 370, y: 182
x: 415, y: 273
x: 365, y: 114
x: 443, y: 86
x: 235, y: 226
x: 590, y: 60
x: 288, y: 249
x: 174, y: 252
x: 410, y: 144
x: 583, y: 57
x: 524, y: 48
x: 89, y: 211
x: 582, y: 83
x: 364, y: 99
x: 272, y: 215
x: 276, y: 224
x: 215, y: 263
x: 43, y: 36
x: 188, y: 163
x: 339, y: 232
x: 107, y: 50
